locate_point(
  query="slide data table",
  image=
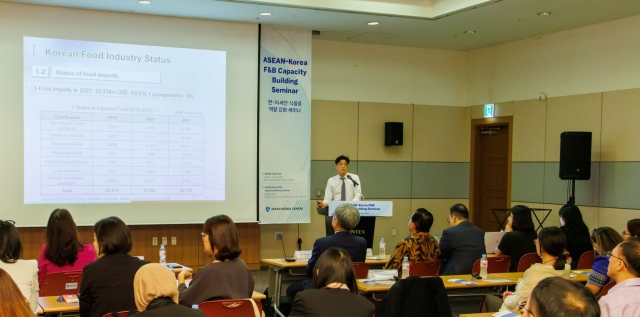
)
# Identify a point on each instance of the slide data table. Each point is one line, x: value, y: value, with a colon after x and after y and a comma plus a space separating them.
x: 121, y: 154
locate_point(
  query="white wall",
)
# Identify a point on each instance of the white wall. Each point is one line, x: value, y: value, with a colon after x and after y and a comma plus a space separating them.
x: 388, y: 74
x: 595, y: 58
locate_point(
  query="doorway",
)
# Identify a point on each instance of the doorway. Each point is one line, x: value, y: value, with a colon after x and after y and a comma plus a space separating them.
x: 490, y: 171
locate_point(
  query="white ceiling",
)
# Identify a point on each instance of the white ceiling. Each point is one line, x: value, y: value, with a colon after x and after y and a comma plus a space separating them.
x: 495, y: 22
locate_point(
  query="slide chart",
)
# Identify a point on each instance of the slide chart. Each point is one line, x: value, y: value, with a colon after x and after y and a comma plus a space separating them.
x: 118, y: 123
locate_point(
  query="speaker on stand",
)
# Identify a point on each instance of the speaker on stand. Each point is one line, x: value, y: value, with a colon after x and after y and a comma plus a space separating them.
x: 575, y: 159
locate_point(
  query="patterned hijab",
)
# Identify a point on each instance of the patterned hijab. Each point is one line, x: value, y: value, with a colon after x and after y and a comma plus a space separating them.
x: 153, y: 281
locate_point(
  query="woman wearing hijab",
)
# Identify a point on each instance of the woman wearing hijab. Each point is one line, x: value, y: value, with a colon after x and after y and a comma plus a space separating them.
x: 156, y: 295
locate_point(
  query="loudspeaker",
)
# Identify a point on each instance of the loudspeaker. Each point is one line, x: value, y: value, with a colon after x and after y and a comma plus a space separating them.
x: 575, y: 155
x: 393, y: 133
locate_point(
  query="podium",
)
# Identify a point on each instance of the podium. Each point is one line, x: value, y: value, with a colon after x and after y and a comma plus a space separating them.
x: 369, y: 210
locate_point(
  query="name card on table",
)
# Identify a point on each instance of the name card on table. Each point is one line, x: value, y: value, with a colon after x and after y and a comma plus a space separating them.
x: 302, y: 255
x: 366, y: 208
x: 382, y: 275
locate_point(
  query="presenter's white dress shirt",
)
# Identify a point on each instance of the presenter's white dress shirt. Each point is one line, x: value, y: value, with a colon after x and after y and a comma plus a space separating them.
x: 334, y: 188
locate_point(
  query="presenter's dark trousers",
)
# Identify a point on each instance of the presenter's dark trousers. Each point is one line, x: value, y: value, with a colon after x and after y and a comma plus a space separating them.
x: 293, y: 289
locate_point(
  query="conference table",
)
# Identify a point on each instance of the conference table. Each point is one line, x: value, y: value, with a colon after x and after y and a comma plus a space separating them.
x: 51, y: 305
x: 462, y: 282
x: 279, y: 267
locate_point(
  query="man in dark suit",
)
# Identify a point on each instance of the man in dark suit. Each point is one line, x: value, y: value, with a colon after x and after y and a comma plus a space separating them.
x: 345, y: 218
x: 462, y: 244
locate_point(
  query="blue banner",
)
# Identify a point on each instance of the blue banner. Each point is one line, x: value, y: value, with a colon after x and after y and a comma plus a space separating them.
x: 285, y: 125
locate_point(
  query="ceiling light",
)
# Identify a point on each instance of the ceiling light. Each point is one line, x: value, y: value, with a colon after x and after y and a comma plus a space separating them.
x: 144, y: 1
x: 265, y: 13
x: 544, y: 14
x: 470, y: 31
x: 373, y: 23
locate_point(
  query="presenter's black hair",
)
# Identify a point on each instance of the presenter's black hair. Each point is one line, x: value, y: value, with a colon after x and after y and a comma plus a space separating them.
x: 423, y: 220
x: 460, y: 211
x: 342, y: 157
x: 553, y: 241
x: 522, y: 219
x: 113, y: 236
x: 10, y: 245
x: 559, y: 297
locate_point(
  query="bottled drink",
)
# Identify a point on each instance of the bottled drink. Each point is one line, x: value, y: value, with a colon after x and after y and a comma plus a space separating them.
x: 484, y: 264
x: 163, y: 255
x: 383, y: 249
x: 435, y: 236
x: 405, y: 267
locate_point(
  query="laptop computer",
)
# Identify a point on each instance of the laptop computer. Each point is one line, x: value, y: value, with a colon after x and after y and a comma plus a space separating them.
x: 491, y: 240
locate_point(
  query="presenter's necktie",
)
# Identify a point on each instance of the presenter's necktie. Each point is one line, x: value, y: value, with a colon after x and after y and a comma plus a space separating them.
x: 343, y: 192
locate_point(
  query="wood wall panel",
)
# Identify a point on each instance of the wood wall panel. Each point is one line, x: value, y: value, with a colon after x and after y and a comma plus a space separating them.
x: 188, y: 251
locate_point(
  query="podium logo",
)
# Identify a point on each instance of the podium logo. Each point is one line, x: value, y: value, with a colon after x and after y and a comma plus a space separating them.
x: 268, y: 208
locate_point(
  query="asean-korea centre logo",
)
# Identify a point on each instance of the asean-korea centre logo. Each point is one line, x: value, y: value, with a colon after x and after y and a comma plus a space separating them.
x: 268, y: 208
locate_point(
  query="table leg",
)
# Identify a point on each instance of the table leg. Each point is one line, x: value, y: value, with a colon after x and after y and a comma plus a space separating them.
x: 275, y: 284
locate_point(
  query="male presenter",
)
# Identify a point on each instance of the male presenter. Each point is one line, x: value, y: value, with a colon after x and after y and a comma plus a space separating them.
x: 344, y: 186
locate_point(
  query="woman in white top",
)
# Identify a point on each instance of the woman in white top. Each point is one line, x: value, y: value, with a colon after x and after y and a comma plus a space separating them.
x: 550, y: 246
x: 23, y: 272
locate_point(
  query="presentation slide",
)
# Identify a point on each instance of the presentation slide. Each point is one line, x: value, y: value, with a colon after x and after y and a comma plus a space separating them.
x: 120, y: 123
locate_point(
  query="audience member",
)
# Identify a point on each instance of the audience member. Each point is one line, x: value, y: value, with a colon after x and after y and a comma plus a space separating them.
x: 420, y: 245
x: 156, y: 295
x: 12, y: 303
x: 550, y: 246
x: 23, y: 272
x: 623, y: 300
x: 63, y: 251
x: 462, y: 244
x: 345, y: 218
x: 632, y: 229
x: 227, y: 277
x: 107, y: 283
x: 577, y: 232
x: 604, y: 240
x: 334, y: 292
x: 558, y: 297
x: 519, y: 236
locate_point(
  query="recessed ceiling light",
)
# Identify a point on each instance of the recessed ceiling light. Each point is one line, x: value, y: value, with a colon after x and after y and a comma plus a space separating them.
x: 470, y: 31
x: 265, y: 13
x: 373, y: 23
x: 144, y: 1
x: 544, y: 14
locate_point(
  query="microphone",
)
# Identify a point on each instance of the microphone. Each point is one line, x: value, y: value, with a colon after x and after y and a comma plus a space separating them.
x: 354, y: 182
x: 285, y: 253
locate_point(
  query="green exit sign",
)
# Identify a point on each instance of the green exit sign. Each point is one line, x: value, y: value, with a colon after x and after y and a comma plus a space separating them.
x: 489, y: 110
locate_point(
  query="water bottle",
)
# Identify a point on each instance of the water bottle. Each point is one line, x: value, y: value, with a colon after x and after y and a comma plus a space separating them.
x: 484, y: 264
x: 383, y: 249
x: 435, y: 236
x: 405, y: 267
x: 163, y: 255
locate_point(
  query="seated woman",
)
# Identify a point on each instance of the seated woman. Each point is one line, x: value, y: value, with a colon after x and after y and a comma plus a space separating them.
x: 227, y: 277
x: 107, y: 283
x: 334, y: 292
x: 12, y: 303
x: 23, y: 272
x: 519, y: 236
x: 550, y: 246
x: 604, y: 240
x: 576, y: 231
x: 63, y: 251
x: 420, y: 245
x: 156, y: 294
x: 632, y: 229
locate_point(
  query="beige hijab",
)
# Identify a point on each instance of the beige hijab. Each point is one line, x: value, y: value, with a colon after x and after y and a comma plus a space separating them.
x: 153, y: 281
